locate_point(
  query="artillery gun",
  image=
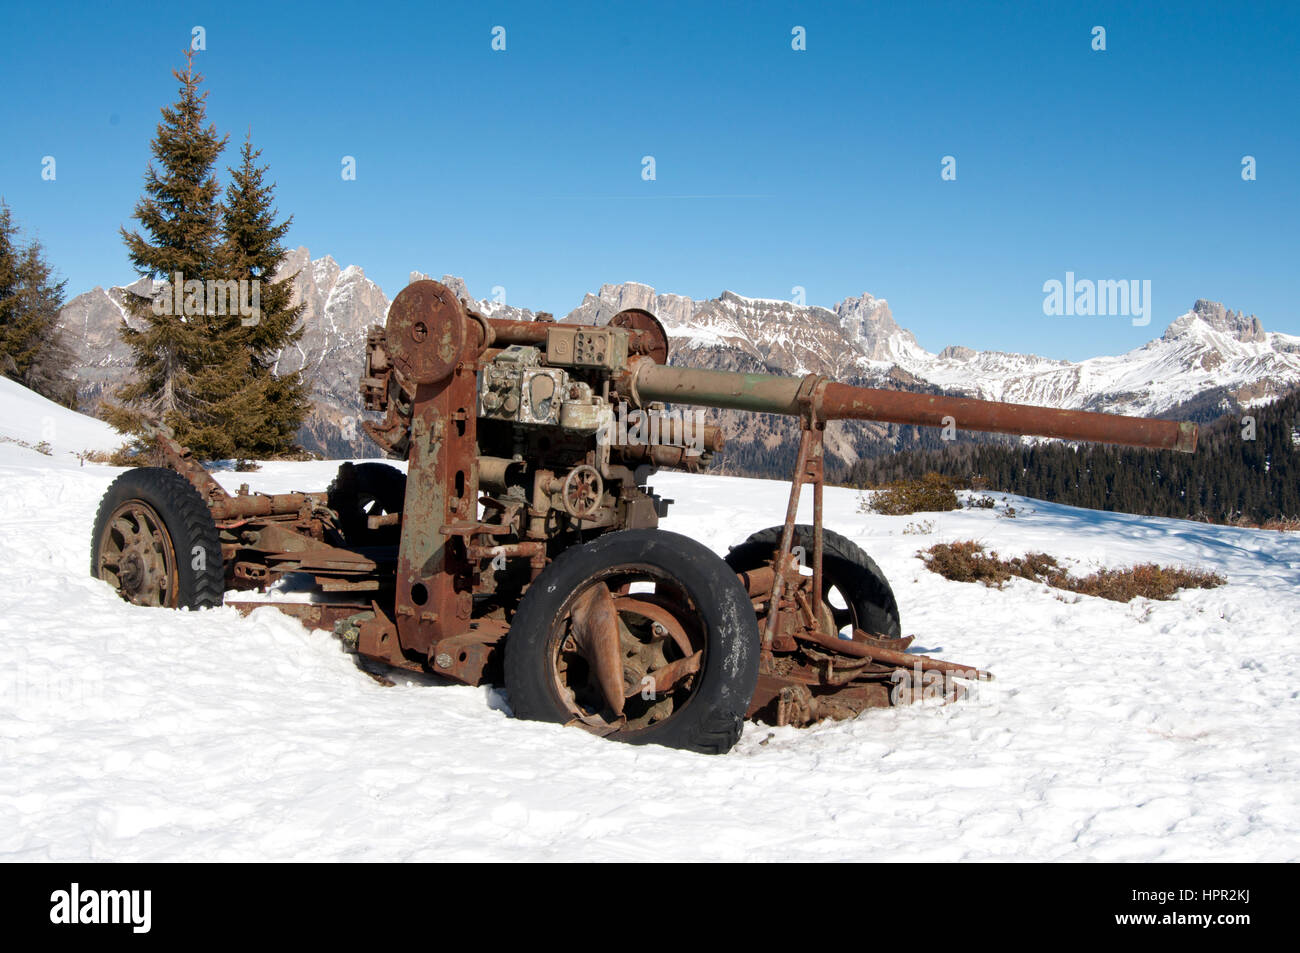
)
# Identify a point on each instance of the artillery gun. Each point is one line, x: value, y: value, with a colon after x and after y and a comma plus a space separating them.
x: 521, y: 546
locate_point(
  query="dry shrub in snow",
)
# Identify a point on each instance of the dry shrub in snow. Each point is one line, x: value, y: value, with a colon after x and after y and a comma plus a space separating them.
x: 967, y: 561
x: 930, y: 494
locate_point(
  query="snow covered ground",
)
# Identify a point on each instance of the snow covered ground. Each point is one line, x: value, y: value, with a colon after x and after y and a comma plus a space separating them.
x: 1146, y: 731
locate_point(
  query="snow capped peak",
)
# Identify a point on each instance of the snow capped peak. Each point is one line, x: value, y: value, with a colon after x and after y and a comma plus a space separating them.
x: 769, y: 302
x: 627, y: 294
x: 1214, y: 316
x: 457, y: 287
x: 295, y: 260
x: 324, y: 271
x: 865, y: 301
x: 625, y: 287
x: 869, y: 323
x: 956, y: 352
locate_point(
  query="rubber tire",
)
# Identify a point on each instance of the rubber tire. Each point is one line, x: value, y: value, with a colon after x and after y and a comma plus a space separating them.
x: 380, y: 482
x: 850, y: 570
x: 711, y: 722
x: 186, y: 519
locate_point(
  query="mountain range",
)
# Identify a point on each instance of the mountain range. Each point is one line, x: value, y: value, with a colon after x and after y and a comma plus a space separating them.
x: 1208, y: 362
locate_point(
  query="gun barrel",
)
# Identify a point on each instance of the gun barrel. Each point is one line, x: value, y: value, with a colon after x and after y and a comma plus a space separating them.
x: 771, y: 394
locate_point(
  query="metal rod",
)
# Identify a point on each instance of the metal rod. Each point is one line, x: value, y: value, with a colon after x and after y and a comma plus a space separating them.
x: 818, y: 475
x: 892, y: 657
x: 768, y: 393
x: 787, y: 537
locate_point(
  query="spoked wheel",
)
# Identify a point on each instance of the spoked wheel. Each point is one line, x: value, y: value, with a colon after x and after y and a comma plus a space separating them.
x: 643, y: 673
x: 643, y: 636
x: 855, y: 593
x: 137, y: 556
x: 362, y: 490
x: 155, y: 542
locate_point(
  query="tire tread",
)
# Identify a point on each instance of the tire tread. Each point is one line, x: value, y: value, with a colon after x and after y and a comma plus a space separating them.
x: 187, y: 520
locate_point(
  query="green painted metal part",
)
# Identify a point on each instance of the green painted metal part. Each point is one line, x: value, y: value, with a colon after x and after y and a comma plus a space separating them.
x: 760, y: 393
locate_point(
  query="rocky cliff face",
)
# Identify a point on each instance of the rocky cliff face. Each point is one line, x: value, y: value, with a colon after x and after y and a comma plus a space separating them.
x: 90, y: 324
x: 341, y: 304
x: 1209, y: 361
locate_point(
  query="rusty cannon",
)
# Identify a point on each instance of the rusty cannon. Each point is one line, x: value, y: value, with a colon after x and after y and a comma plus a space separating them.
x: 521, y: 546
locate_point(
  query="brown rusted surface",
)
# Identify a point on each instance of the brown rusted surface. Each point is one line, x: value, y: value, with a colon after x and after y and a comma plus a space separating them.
x: 495, y: 473
x: 378, y: 639
x: 692, y: 457
x: 315, y: 615
x: 290, y: 549
x: 795, y: 705
x: 842, y: 402
x: 170, y: 454
x: 507, y: 332
x: 816, y: 475
x: 247, y: 505
x: 434, y: 574
x: 758, y: 582
x: 851, y: 701
x: 783, y: 554
x: 660, y: 613
x: 893, y: 656
x: 644, y: 342
x: 529, y: 549
x: 665, y: 679
x: 900, y: 644
x: 595, y: 631
x: 426, y: 332
x: 468, y: 657
x: 652, y: 341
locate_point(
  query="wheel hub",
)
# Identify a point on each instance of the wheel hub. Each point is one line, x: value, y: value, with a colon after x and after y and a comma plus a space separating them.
x: 132, y: 574
x: 630, y: 668
x: 136, y: 555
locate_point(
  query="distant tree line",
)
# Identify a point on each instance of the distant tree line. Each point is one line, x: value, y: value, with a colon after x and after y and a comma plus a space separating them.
x: 1229, y: 479
x: 32, y: 351
x: 771, y: 453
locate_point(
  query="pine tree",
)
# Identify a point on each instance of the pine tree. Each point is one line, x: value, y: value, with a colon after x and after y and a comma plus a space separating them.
x: 32, y: 350
x: 47, y: 362
x: 10, y: 254
x: 180, y: 360
x: 263, y: 418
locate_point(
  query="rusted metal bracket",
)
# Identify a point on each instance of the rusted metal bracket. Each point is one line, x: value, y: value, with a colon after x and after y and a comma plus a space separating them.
x: 808, y: 468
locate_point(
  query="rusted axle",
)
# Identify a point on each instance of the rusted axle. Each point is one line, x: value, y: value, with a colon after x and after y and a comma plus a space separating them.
x: 248, y: 505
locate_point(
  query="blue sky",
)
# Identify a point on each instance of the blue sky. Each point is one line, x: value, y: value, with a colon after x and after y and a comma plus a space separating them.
x: 774, y: 168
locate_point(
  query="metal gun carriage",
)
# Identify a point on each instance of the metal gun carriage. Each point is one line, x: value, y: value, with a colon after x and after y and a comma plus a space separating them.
x: 522, y: 546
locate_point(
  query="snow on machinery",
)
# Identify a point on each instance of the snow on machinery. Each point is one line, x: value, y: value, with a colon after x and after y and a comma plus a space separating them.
x: 522, y: 546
